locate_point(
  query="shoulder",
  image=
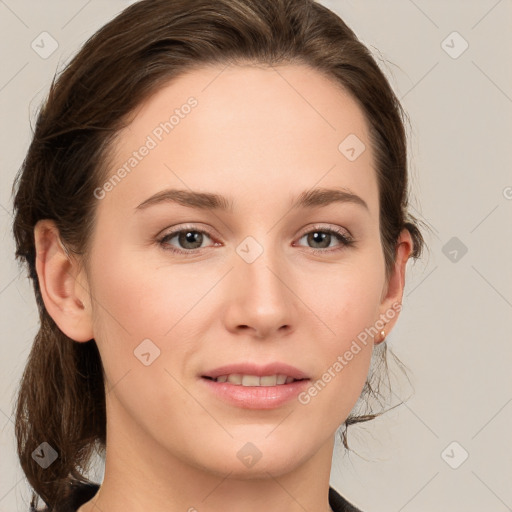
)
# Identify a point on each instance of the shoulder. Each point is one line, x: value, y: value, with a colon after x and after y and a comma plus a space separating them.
x: 339, y: 504
x: 78, y: 494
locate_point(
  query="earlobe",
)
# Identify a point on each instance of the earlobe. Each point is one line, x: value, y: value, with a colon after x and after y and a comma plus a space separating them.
x: 65, y: 298
x: 391, y: 304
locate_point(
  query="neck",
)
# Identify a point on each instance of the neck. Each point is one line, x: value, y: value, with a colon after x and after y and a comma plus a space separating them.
x: 141, y: 475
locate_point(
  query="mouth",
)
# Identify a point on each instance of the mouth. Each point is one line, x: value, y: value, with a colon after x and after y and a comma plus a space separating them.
x: 255, y: 391
x: 252, y: 386
x: 238, y: 379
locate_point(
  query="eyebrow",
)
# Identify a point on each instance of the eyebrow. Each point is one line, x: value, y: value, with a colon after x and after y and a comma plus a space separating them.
x: 319, y: 197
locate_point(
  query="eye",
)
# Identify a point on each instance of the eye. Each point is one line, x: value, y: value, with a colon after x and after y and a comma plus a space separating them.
x: 322, y: 238
x: 189, y: 239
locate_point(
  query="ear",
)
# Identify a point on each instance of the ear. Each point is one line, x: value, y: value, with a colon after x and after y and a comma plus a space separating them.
x: 391, y: 301
x: 63, y: 285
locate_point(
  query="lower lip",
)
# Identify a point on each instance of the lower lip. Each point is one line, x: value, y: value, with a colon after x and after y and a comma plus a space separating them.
x: 256, y: 397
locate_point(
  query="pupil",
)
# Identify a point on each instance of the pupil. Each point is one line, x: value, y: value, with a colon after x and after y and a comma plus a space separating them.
x: 322, y: 237
x: 191, y: 237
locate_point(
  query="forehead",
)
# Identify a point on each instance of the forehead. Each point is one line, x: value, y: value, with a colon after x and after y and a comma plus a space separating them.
x: 249, y: 94
x: 218, y: 126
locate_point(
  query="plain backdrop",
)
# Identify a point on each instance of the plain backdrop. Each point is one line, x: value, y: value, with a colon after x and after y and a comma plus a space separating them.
x: 448, y: 447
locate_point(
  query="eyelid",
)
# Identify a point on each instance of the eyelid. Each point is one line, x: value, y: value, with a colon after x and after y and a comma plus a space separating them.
x: 323, y: 227
x: 174, y: 230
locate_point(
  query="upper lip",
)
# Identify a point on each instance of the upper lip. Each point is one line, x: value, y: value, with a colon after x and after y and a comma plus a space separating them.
x: 249, y: 368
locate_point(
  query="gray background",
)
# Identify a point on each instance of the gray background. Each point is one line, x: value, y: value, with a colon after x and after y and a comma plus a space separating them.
x: 453, y: 333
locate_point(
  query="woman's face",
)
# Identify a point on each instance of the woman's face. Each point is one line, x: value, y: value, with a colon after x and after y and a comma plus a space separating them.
x: 260, y: 281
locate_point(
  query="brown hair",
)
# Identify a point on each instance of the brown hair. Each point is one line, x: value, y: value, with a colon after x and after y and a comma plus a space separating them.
x: 61, y: 398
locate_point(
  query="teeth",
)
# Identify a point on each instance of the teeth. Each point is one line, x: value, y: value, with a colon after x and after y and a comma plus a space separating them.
x: 281, y: 379
x: 255, y: 380
x: 235, y: 378
x: 250, y: 380
x: 266, y: 380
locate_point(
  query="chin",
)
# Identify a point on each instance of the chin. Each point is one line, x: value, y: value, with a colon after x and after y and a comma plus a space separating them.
x: 274, y: 465
x: 255, y: 460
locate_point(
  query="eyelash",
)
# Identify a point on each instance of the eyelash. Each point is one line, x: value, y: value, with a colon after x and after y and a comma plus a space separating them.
x: 346, y: 240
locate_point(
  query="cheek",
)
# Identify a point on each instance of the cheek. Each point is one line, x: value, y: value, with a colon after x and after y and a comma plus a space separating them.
x: 134, y: 310
x: 135, y: 296
x: 346, y: 302
x: 140, y: 299
x: 125, y: 306
x: 345, y: 298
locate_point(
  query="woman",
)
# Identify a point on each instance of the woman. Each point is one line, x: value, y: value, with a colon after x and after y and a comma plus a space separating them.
x: 213, y: 211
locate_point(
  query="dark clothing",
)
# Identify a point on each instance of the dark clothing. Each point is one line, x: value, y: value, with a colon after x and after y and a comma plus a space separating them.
x: 84, y: 492
x: 339, y: 504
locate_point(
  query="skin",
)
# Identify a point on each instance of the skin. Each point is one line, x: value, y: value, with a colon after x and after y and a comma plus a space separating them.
x: 259, y: 136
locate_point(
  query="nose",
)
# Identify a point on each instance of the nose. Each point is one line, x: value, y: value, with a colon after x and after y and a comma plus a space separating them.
x: 261, y: 301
